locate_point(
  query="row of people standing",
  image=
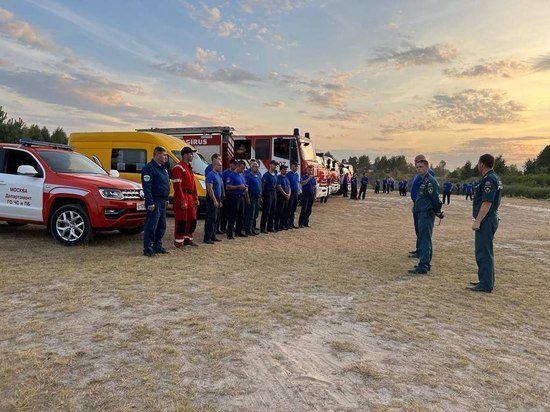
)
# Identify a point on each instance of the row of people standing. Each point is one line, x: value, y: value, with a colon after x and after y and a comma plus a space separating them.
x: 243, y: 192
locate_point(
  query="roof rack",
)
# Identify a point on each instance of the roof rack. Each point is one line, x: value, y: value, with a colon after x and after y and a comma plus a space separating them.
x: 30, y: 142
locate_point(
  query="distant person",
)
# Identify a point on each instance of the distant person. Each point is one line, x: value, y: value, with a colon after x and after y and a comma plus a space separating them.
x: 214, y: 186
x: 384, y: 185
x: 364, y: 184
x: 405, y: 183
x: 236, y: 191
x: 269, y: 196
x: 223, y: 211
x: 354, y: 187
x: 309, y: 190
x: 447, y: 187
x: 458, y: 189
x: 283, y: 195
x: 391, y: 185
x: 156, y: 188
x: 469, y: 188
x: 294, y: 180
x: 426, y: 207
x: 185, y: 199
x: 485, y: 211
x: 345, y: 183
x: 253, y: 179
x: 377, y: 186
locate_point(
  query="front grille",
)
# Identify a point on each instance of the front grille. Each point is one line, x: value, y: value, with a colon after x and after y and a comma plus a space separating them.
x: 132, y: 194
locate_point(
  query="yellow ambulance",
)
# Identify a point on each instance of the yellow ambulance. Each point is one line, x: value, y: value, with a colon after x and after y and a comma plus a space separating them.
x: 128, y: 152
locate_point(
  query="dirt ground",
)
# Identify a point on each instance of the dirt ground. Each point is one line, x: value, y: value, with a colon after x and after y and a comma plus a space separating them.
x: 320, y: 319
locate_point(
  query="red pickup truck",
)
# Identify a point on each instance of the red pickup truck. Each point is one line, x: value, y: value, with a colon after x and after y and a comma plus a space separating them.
x: 50, y: 184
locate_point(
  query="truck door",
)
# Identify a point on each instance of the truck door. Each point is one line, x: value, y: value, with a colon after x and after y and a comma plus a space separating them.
x: 21, y: 197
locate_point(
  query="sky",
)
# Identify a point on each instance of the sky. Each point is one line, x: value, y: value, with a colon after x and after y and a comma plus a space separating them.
x: 449, y: 79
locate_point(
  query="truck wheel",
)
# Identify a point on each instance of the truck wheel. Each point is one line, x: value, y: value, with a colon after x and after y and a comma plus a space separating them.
x: 131, y: 231
x: 70, y: 225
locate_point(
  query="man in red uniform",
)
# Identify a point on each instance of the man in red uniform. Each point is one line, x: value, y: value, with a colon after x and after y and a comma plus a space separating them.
x: 185, y: 200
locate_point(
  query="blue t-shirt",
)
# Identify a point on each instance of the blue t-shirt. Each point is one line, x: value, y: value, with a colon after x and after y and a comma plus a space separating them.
x: 208, y: 169
x: 309, y: 187
x: 235, y: 179
x: 270, y: 182
x: 216, y: 180
x: 225, y: 173
x: 364, y: 180
x: 294, y: 180
x: 447, y: 186
x: 283, y: 181
x: 254, y: 182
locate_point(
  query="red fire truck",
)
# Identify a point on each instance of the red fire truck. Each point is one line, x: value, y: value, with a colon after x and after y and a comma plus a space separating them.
x: 283, y: 148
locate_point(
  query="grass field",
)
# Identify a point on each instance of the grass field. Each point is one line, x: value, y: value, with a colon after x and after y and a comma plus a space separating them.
x: 321, y: 319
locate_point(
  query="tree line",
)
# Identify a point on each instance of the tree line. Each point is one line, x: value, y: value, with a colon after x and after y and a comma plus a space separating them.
x: 12, y: 130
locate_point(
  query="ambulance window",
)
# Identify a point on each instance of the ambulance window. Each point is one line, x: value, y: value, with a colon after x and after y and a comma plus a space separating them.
x: 262, y: 149
x: 128, y: 160
x: 16, y: 158
x: 242, y: 149
x: 281, y: 148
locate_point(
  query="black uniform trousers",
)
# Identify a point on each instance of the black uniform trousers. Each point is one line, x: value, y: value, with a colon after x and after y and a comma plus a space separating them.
x: 281, y: 213
x: 268, y: 211
x: 235, y: 214
x: 363, y: 191
x: 307, y: 204
x: 292, y: 204
x: 211, y: 220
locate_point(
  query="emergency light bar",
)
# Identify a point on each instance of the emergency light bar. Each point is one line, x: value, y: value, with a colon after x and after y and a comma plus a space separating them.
x: 30, y: 142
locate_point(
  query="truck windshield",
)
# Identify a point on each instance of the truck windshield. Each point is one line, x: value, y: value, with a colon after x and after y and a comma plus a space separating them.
x: 307, y: 149
x: 70, y: 162
x: 198, y: 164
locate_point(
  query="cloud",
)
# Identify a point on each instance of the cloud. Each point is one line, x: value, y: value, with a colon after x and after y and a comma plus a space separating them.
x: 411, y: 55
x: 506, y: 68
x: 485, y: 106
x: 272, y: 6
x: 392, y: 26
x: 344, y: 116
x: 327, y: 91
x: 207, y: 17
x: 198, y: 70
x: 541, y: 63
x: 79, y: 90
x: 277, y: 104
x: 22, y: 31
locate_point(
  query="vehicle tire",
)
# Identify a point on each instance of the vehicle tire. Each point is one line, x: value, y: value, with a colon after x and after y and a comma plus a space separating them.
x: 70, y: 225
x: 131, y: 231
x: 15, y: 224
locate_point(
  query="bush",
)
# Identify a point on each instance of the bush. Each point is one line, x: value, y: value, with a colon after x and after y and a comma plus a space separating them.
x: 522, y: 190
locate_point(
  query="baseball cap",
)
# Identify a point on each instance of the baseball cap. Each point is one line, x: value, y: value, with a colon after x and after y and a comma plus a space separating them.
x: 187, y: 149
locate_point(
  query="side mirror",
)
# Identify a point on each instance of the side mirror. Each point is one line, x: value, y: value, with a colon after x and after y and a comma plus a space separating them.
x: 26, y: 170
x: 114, y: 173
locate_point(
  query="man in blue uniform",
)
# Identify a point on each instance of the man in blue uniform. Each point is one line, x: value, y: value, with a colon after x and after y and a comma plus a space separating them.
x: 269, y: 184
x: 224, y: 210
x: 253, y: 179
x: 309, y: 190
x: 283, y: 195
x: 447, y: 187
x: 485, y: 211
x: 414, y: 194
x: 156, y: 188
x: 469, y: 188
x: 294, y: 180
x: 377, y: 186
x: 210, y: 167
x: 213, y: 201
x: 354, y: 187
x: 364, y: 183
x: 426, y: 207
x: 236, y: 191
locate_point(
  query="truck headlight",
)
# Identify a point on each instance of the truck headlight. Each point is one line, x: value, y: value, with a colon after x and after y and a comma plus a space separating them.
x: 111, y: 194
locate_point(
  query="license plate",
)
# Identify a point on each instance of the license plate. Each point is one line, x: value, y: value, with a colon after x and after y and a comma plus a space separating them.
x: 140, y: 206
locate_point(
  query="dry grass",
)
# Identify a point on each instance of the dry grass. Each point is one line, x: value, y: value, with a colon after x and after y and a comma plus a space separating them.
x: 316, y: 319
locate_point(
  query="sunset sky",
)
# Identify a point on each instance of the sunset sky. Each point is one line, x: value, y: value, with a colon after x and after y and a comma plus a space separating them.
x: 450, y: 79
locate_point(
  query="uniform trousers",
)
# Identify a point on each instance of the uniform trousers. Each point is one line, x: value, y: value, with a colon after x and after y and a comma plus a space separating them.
x: 485, y: 258
x: 155, y: 227
x: 425, y: 229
